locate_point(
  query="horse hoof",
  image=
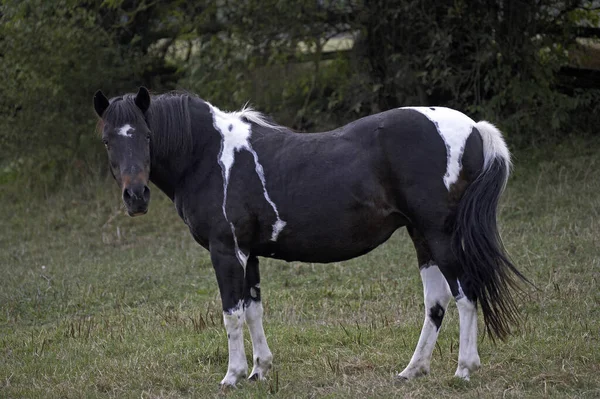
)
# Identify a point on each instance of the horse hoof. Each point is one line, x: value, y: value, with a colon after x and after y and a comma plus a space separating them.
x: 400, y: 379
x: 224, y: 387
x: 463, y: 374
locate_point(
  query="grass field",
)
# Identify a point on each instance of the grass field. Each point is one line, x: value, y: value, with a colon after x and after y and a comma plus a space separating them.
x: 96, y: 304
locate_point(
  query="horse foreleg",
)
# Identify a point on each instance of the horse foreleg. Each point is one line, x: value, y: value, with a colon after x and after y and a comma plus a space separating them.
x: 230, y: 276
x: 261, y: 353
x: 437, y: 296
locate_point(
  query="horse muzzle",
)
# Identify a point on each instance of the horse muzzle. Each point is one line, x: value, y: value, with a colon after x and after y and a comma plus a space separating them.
x: 136, y: 198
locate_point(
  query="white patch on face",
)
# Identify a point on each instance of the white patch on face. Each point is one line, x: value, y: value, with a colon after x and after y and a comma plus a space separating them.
x: 234, y: 325
x: 454, y: 127
x: 236, y: 137
x: 261, y: 353
x: 124, y: 131
x: 468, y: 358
x: 436, y: 291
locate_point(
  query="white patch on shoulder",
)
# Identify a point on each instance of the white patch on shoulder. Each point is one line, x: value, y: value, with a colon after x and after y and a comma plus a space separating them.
x: 236, y: 134
x: 124, y: 130
x: 279, y: 224
x: 277, y: 227
x: 461, y: 293
x: 454, y: 127
x: 242, y: 257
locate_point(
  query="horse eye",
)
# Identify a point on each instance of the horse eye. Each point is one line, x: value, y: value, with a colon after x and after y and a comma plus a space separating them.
x: 148, y: 137
x: 105, y: 142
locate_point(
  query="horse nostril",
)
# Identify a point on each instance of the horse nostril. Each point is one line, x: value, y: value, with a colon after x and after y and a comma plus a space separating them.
x: 128, y: 195
x: 146, y: 194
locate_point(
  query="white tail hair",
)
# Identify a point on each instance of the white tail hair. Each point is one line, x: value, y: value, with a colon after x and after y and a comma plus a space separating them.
x: 493, y: 145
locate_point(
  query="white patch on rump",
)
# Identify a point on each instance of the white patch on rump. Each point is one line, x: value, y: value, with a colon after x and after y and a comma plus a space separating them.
x: 454, y: 127
x: 236, y: 134
x: 124, y: 130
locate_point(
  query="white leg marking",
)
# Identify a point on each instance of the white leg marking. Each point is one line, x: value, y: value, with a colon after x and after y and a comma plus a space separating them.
x: 454, y: 127
x: 468, y: 358
x: 235, y: 135
x: 436, y: 292
x: 261, y: 353
x: 124, y: 130
x: 234, y: 324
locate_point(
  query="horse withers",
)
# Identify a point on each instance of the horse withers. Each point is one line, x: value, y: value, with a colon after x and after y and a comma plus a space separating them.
x: 248, y: 188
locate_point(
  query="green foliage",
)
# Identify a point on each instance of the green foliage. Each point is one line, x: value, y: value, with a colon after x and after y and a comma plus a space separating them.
x: 493, y: 60
x: 55, y: 55
x: 500, y: 60
x: 49, y: 52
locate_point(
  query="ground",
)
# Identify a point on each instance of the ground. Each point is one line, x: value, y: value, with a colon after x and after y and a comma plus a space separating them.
x: 96, y: 304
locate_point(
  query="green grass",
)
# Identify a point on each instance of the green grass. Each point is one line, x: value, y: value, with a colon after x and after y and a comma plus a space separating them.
x: 96, y: 304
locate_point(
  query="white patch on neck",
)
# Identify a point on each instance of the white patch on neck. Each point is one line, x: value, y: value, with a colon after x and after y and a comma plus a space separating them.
x: 454, y: 127
x: 236, y: 137
x: 124, y: 130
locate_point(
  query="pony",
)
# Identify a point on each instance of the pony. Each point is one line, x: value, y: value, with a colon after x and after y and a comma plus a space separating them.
x: 247, y: 187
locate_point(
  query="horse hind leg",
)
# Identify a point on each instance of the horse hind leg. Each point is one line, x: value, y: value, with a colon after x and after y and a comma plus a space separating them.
x: 468, y: 357
x: 437, y: 294
x: 441, y: 251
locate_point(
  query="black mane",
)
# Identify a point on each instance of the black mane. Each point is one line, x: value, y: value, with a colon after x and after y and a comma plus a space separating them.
x: 170, y: 118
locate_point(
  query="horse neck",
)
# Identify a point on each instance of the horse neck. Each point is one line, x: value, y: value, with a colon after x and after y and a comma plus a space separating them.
x: 172, y: 166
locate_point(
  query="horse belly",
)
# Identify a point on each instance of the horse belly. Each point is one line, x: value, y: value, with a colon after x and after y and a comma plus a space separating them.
x: 328, y: 235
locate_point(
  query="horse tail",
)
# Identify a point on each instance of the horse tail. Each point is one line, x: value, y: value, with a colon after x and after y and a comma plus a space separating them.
x: 488, y: 273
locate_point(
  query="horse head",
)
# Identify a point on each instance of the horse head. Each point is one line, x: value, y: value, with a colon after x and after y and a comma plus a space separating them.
x: 126, y: 136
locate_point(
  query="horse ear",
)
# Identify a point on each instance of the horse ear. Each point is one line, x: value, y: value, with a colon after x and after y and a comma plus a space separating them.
x: 100, y: 103
x: 142, y: 99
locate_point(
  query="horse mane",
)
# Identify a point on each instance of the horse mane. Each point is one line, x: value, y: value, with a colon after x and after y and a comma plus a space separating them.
x: 169, y: 114
x: 251, y: 115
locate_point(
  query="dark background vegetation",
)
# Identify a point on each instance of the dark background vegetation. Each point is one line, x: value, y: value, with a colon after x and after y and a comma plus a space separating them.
x: 525, y: 65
